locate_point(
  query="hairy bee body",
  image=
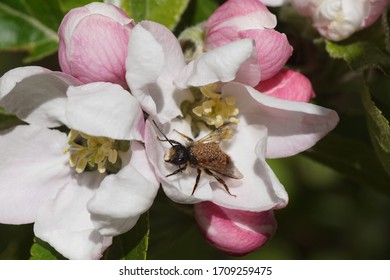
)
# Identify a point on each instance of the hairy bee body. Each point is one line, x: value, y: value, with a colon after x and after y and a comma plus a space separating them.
x: 204, y: 154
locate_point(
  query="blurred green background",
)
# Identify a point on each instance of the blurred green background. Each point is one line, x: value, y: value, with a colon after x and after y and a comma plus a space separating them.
x: 329, y: 215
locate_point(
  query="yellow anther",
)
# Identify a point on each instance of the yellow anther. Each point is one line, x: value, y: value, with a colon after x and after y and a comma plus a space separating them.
x: 81, y: 164
x: 112, y: 156
x: 86, y: 150
x: 214, y: 109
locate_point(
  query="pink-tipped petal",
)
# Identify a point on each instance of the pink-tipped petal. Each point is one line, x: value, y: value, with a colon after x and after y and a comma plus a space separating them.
x: 242, y: 14
x: 154, y: 59
x: 36, y: 95
x: 234, y: 231
x: 289, y: 85
x: 222, y: 64
x: 273, y: 50
x: 376, y: 8
x: 293, y: 127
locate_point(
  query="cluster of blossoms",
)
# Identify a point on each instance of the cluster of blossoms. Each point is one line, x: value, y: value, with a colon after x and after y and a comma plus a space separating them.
x: 92, y: 178
x: 337, y: 19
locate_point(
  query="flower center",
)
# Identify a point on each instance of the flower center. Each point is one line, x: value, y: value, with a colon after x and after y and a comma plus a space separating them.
x: 214, y: 109
x: 91, y: 152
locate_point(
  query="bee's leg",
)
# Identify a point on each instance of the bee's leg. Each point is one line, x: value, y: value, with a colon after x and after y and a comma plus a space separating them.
x: 181, y: 169
x: 196, y: 181
x: 184, y: 136
x: 220, y: 180
x: 166, y: 140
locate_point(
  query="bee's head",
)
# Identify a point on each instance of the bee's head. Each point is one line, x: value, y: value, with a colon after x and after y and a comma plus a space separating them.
x: 176, y: 155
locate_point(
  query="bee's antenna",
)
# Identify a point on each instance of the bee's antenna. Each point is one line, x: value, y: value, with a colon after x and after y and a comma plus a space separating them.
x: 166, y: 138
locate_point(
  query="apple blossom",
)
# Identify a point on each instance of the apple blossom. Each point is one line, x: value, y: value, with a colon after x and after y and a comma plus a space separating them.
x: 93, y: 43
x: 69, y: 184
x: 240, y: 232
x: 338, y: 19
x: 235, y: 20
x: 266, y: 126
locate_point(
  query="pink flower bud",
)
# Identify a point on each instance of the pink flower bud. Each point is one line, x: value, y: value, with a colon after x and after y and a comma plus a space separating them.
x: 236, y: 232
x: 273, y: 50
x: 93, y: 43
x: 237, y: 20
x: 288, y: 84
x: 338, y: 19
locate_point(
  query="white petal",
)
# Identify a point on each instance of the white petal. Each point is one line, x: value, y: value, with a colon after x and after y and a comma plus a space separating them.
x: 259, y: 190
x: 154, y: 59
x: 274, y: 3
x: 36, y: 95
x: 33, y: 167
x: 104, y: 109
x: 177, y: 187
x: 218, y: 65
x: 123, y: 197
x: 293, y: 127
x: 65, y: 223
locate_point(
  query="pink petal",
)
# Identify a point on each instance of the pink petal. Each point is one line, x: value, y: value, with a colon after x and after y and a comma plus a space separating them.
x: 93, y: 43
x: 273, y: 50
x: 234, y: 231
x: 289, y: 85
x: 220, y: 37
x: 241, y: 14
x: 376, y: 8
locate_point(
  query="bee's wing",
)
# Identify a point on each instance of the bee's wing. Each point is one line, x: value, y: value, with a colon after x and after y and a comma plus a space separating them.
x: 221, y: 133
x: 228, y: 170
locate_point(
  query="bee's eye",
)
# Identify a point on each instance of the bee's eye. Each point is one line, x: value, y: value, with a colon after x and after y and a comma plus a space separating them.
x: 178, y: 155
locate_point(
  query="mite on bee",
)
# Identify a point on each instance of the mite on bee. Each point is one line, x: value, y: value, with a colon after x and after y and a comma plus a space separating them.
x: 204, y: 155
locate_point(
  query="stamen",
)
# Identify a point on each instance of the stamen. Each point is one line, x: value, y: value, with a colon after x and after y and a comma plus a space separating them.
x: 94, y: 152
x: 214, y: 109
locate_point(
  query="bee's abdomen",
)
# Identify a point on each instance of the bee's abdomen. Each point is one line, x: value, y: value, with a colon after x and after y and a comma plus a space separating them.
x: 209, y: 153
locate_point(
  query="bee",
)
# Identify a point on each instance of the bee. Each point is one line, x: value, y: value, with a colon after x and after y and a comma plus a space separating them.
x: 204, y: 155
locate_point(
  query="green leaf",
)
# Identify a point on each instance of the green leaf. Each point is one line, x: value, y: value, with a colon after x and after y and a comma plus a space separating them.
x: 379, y: 129
x: 132, y: 245
x: 203, y: 9
x: 41, y: 250
x: 166, y: 12
x: 353, y: 158
x: 360, y: 55
x: 30, y: 26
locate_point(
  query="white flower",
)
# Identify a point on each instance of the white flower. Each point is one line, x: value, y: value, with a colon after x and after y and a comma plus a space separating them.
x: 41, y: 170
x: 267, y: 126
x: 337, y: 19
